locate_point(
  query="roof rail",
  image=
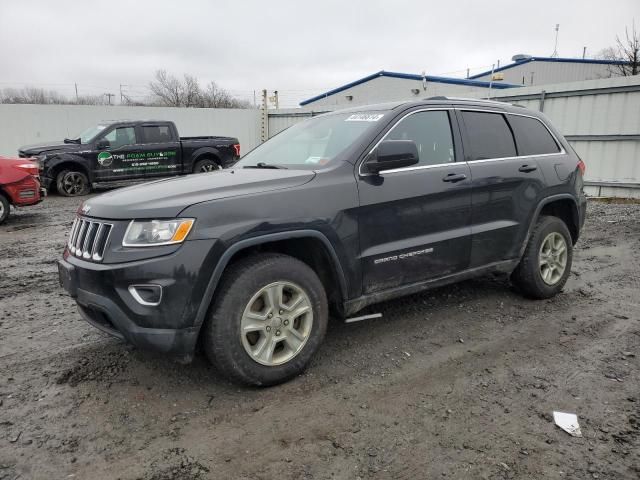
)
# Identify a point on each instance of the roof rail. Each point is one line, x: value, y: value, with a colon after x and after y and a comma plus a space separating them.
x: 476, y: 100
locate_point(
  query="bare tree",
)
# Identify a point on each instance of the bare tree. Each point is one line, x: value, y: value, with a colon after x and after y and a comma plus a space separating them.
x: 30, y: 95
x: 39, y: 96
x: 171, y: 91
x: 167, y: 89
x: 626, y: 52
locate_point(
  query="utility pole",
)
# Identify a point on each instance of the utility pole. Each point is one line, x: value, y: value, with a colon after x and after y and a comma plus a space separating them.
x: 76, y: 85
x: 493, y: 67
x: 584, y: 52
x: 275, y: 94
x: 109, y: 95
x: 122, y: 96
x: 555, y: 48
x: 467, y: 72
x: 264, y: 127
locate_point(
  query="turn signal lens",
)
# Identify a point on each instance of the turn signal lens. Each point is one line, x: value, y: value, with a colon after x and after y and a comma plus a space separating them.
x: 182, y: 231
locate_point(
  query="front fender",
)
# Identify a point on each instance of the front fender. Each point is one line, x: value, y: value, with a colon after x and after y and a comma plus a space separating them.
x: 54, y: 161
x: 262, y: 239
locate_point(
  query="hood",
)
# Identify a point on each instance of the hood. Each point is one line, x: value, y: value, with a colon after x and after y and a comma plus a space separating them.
x: 50, y: 147
x: 167, y: 198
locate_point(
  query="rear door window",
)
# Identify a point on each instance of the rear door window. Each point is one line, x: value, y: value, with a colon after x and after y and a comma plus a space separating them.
x: 156, y: 134
x: 489, y: 136
x: 532, y: 136
x: 431, y: 132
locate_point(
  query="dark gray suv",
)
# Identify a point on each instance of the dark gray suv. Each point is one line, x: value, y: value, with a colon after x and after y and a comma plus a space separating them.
x: 337, y: 213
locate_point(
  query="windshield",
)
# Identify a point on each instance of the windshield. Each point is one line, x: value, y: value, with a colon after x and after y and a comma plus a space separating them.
x: 313, y: 143
x: 90, y: 133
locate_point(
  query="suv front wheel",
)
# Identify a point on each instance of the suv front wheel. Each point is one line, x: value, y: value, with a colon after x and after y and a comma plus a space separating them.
x: 546, y: 263
x: 269, y: 317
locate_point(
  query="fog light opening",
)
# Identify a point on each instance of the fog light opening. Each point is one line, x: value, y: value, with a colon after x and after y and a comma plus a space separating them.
x: 147, y: 295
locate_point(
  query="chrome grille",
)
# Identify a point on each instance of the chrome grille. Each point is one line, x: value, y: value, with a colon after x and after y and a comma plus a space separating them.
x: 88, y: 239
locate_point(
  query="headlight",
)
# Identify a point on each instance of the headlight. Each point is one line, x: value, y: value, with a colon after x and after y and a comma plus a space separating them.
x: 150, y: 233
x: 40, y: 159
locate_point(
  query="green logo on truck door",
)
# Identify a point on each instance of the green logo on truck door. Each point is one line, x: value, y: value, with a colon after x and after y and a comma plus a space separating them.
x: 105, y: 159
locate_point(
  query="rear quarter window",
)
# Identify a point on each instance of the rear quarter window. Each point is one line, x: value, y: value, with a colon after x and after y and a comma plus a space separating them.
x: 532, y: 137
x: 489, y: 136
x: 156, y: 133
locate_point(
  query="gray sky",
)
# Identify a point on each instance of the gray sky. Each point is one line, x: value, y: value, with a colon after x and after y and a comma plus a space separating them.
x: 299, y: 48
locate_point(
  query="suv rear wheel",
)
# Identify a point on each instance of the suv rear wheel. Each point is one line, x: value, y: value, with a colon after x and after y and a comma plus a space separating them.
x: 546, y: 263
x: 268, y: 319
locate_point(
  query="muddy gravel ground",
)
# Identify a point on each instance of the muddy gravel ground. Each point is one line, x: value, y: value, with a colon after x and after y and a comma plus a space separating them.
x: 459, y: 382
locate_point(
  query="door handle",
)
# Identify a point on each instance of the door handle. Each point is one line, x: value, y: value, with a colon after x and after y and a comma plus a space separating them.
x: 527, y: 168
x: 454, y: 177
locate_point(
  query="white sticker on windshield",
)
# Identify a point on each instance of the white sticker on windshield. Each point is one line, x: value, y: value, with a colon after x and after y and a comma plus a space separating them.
x: 364, y: 117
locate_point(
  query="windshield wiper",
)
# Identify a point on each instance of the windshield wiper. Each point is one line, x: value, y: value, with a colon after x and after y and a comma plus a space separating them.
x: 264, y: 165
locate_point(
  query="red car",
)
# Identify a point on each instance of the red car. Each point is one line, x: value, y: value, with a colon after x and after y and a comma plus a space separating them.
x: 19, y: 184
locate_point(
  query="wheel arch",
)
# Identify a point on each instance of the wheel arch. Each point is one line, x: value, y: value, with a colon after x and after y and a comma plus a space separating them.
x: 324, y: 261
x: 68, y: 163
x: 207, y: 152
x: 563, y: 206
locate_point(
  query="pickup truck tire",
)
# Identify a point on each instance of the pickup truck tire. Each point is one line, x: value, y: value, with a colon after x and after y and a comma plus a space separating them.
x: 546, y: 263
x: 267, y: 320
x: 205, y: 165
x: 4, y: 208
x: 72, y: 183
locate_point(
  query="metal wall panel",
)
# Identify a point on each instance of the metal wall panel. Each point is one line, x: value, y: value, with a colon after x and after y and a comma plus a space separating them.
x: 601, y: 119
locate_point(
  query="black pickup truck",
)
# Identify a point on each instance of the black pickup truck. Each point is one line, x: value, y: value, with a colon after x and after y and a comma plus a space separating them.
x: 124, y: 152
x: 336, y: 213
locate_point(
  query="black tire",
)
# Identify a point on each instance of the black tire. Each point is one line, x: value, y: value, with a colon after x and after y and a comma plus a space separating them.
x: 5, y: 208
x: 528, y: 274
x: 72, y: 183
x: 205, y: 165
x: 222, y: 340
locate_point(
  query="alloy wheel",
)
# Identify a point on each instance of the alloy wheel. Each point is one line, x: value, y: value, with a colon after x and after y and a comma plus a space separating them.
x: 208, y: 167
x: 552, y: 258
x: 276, y: 323
x: 73, y: 183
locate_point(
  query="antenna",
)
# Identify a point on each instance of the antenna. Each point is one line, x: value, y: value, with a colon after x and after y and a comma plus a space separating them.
x: 555, y: 48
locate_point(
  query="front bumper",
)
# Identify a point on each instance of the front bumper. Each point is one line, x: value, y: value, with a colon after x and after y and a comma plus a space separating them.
x: 104, y: 300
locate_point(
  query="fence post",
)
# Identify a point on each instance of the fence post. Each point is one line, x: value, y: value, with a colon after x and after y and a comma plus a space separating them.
x: 542, y: 95
x: 264, y: 121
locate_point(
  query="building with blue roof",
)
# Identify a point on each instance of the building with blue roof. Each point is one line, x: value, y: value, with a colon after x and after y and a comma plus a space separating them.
x: 531, y: 71
x: 525, y: 70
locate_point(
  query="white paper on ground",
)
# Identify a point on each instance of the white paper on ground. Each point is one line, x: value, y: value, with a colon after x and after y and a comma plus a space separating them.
x: 568, y: 422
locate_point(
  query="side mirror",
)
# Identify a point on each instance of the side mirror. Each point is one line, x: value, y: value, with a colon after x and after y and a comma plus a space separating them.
x: 103, y: 144
x: 393, y: 154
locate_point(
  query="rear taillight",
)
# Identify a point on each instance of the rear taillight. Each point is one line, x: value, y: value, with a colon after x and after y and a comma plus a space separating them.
x: 237, y: 149
x: 581, y: 166
x: 30, y: 168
